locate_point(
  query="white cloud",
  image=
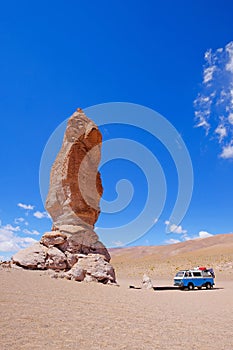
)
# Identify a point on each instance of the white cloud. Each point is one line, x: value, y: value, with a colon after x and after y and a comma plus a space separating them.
x: 201, y: 234
x: 118, y: 243
x: 208, y: 74
x: 202, y: 122
x: 9, y: 227
x: 26, y: 206
x: 32, y: 232
x: 187, y: 238
x: 221, y: 131
x: 227, y: 152
x: 10, y: 241
x: 229, y: 50
x: 174, y: 228
x: 204, y: 234
x: 172, y: 241
x: 5, y: 258
x: 41, y: 215
x: 214, y: 103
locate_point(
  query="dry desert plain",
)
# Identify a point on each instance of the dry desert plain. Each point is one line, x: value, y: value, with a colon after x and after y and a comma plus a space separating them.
x: 38, y: 312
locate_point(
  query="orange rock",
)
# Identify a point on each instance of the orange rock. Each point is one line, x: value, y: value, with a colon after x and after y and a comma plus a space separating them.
x: 75, y: 183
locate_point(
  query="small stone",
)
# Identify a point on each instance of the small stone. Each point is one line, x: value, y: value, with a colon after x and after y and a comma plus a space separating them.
x: 146, y: 282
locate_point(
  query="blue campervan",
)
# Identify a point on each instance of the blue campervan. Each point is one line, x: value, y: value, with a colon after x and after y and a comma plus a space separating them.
x: 189, y: 279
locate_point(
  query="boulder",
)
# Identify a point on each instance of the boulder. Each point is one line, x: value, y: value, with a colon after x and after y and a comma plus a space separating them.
x: 71, y: 259
x: 77, y: 273
x: 54, y: 238
x: 85, y: 242
x: 92, y: 268
x: 33, y: 257
x: 97, y: 267
x: 56, y: 259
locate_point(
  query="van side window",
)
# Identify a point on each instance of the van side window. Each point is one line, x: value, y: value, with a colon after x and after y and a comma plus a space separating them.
x: 188, y: 274
x: 197, y: 274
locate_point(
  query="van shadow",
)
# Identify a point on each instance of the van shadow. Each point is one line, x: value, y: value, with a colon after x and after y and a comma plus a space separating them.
x: 165, y: 288
x: 185, y: 289
x: 162, y: 288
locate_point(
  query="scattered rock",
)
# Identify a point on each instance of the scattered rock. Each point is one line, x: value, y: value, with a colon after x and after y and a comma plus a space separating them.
x: 146, y: 282
x: 5, y: 264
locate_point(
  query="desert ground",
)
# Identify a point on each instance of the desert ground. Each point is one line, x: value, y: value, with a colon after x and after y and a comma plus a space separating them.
x: 39, y: 312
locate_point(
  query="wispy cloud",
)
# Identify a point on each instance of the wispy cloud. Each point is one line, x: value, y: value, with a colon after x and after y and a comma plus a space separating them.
x: 26, y: 206
x: 19, y: 220
x: 41, y: 215
x: 118, y: 243
x: 31, y: 232
x: 11, y: 228
x: 175, y: 228
x: 172, y: 241
x: 214, y: 103
x: 227, y: 152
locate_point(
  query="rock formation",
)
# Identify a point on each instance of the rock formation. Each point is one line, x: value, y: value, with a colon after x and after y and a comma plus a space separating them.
x: 73, y: 204
x: 75, y: 184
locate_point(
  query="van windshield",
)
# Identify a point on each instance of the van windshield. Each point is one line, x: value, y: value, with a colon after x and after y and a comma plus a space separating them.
x: 180, y: 274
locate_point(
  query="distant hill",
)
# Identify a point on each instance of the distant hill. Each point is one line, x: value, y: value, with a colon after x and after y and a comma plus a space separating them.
x: 215, y: 251
x: 220, y: 243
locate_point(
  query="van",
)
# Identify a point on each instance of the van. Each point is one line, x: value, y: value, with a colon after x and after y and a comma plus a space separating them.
x: 198, y: 277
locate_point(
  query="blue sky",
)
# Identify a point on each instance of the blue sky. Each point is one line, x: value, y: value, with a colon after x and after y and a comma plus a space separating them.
x: 60, y: 55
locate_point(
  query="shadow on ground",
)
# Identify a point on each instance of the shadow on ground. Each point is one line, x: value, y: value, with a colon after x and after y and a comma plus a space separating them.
x: 161, y: 288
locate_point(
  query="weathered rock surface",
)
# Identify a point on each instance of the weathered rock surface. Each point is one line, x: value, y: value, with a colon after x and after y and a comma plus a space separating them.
x: 92, y: 267
x: 75, y: 184
x: 76, y: 266
x: 53, y: 238
x: 86, y: 242
x: 32, y: 258
x: 56, y: 259
x: 72, y: 249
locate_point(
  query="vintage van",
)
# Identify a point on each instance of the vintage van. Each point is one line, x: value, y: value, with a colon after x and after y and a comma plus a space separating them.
x: 198, y: 277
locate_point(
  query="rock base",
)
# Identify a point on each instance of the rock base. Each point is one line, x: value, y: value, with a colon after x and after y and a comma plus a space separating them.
x: 79, y: 256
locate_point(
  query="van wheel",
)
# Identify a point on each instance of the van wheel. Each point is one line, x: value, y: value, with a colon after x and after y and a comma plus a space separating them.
x: 190, y: 286
x: 208, y: 285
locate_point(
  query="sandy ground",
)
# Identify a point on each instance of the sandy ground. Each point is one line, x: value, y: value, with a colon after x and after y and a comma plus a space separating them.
x: 37, y: 312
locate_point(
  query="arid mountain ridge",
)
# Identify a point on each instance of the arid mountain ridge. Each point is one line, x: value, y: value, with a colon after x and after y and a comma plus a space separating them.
x: 163, y: 261
x: 213, y: 244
